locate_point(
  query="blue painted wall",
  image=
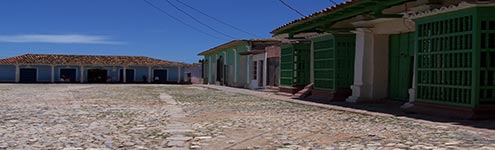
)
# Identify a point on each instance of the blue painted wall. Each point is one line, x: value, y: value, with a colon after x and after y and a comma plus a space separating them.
x: 44, y: 72
x: 183, y: 73
x: 171, y: 71
x: 140, y: 71
x: 7, y: 73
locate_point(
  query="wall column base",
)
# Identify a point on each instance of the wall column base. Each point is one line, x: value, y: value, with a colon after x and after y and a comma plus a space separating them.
x: 356, y: 94
x: 412, y: 99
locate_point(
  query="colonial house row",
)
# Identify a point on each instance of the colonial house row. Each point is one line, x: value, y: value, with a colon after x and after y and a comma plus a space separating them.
x: 249, y: 64
x: 44, y: 68
x: 430, y: 54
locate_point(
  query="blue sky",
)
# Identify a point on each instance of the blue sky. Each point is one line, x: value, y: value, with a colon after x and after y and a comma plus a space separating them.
x: 132, y: 27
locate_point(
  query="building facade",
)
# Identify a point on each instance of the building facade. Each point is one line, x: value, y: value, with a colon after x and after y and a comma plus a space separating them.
x: 273, y: 65
x: 194, y: 73
x: 43, y: 68
x: 426, y: 53
x: 238, y: 63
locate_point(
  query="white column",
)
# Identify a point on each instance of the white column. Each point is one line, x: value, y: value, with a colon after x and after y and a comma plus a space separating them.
x: 312, y: 64
x: 225, y: 74
x: 149, y: 75
x: 370, y: 67
x: 17, y: 73
x: 210, y: 80
x: 81, y: 76
x: 279, y: 68
x: 265, y: 68
x: 362, y: 39
x: 248, y: 68
x: 412, y: 91
x: 124, y: 74
x: 53, y: 73
x: 235, y: 66
x: 178, y: 74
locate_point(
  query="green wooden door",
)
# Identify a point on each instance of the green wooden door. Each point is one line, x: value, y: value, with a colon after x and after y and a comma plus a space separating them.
x: 287, y: 65
x: 303, y: 59
x: 401, y: 65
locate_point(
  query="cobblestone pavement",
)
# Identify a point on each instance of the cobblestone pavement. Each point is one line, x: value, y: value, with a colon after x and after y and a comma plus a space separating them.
x: 82, y: 116
x: 161, y: 117
x: 236, y: 121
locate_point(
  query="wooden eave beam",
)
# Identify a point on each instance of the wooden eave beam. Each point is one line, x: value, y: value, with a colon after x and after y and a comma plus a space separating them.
x: 362, y: 7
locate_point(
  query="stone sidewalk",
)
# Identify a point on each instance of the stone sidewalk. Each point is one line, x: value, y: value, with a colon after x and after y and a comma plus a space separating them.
x: 179, y: 131
x: 382, y: 108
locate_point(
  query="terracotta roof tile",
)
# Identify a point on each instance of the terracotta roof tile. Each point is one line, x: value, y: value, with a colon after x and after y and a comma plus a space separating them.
x: 317, y: 14
x: 326, y: 11
x: 54, y: 59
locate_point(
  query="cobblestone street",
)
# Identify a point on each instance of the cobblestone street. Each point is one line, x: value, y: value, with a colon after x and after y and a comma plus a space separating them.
x: 83, y: 116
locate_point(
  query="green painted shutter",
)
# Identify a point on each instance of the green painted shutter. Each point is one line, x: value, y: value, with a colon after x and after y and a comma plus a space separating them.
x: 324, y: 62
x: 302, y: 64
x: 294, y: 64
x: 287, y: 65
x: 334, y: 61
x: 344, y: 64
x: 400, y: 73
x: 455, y: 57
x: 487, y: 56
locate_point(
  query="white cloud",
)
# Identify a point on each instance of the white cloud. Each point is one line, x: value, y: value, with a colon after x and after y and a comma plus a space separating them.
x: 63, y: 38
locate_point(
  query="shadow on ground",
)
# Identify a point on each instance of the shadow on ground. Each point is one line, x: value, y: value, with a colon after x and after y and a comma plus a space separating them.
x: 393, y: 107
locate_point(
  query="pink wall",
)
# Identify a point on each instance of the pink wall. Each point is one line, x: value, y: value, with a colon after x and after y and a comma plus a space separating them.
x: 195, y: 71
x: 273, y: 51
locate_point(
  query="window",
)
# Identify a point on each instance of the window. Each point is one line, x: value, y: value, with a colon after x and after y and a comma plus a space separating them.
x: 255, y: 70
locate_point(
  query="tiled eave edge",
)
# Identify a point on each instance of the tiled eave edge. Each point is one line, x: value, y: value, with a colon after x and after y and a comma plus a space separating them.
x: 445, y: 9
x: 335, y: 14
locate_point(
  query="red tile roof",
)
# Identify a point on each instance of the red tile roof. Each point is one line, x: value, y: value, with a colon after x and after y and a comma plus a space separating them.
x: 317, y: 14
x: 86, y: 60
x: 336, y: 9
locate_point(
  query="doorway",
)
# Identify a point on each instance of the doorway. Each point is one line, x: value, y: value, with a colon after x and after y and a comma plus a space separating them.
x: 28, y: 75
x: 160, y: 76
x: 220, y: 69
x: 129, y: 75
x: 272, y: 73
x: 68, y: 75
x: 401, y: 65
x: 97, y: 75
x: 260, y: 73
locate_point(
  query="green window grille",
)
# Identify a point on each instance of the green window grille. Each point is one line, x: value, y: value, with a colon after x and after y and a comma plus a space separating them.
x: 294, y: 64
x: 487, y: 46
x: 287, y: 65
x: 334, y: 61
x: 452, y: 66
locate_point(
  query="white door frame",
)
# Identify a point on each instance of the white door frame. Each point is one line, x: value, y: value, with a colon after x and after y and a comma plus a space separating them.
x: 253, y: 84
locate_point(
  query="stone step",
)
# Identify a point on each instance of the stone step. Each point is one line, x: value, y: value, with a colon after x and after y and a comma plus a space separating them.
x: 304, y: 92
x: 179, y: 138
x: 176, y: 131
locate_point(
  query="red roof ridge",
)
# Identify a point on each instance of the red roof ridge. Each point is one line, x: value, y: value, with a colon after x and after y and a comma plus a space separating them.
x: 69, y: 59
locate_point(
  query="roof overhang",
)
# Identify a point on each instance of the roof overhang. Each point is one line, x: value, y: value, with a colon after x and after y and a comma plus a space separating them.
x: 239, y: 42
x: 252, y: 52
x: 223, y: 46
x: 334, y: 14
